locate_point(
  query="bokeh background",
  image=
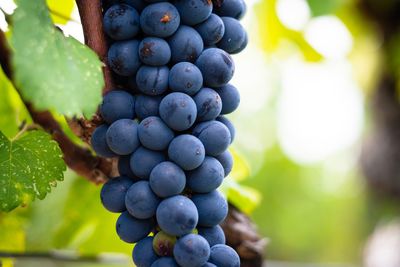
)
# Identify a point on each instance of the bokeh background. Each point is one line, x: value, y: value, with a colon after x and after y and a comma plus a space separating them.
x: 309, y: 81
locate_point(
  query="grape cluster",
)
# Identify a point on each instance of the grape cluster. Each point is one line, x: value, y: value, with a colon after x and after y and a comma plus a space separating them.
x: 167, y: 126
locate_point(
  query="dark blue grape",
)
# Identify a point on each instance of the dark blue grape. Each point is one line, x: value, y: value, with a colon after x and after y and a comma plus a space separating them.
x: 234, y: 36
x: 214, y: 135
x: 191, y: 250
x: 187, y: 151
x: 224, y: 256
x: 165, y: 262
x: 242, y: 46
x: 230, y: 97
x: 177, y: 215
x: 217, y: 67
x: 231, y: 8
x: 123, y: 57
x: 185, y: 77
x: 113, y: 193
x: 186, y: 45
x: 178, y: 111
x: 154, y: 134
x: 154, y: 51
x: 212, y: 208
x: 214, y: 235
x: 152, y: 80
x: 136, y: 4
x: 121, y: 22
x: 131, y: 230
x: 117, y: 105
x: 212, y: 30
x: 209, y: 264
x: 209, y: 104
x: 195, y: 11
x: 226, y: 161
x: 143, y: 254
x: 167, y: 179
x: 160, y: 20
x: 207, y: 177
x: 124, y: 167
x: 144, y: 160
x: 140, y: 201
x: 99, y: 142
x: 146, y: 106
x: 122, y: 136
x: 229, y: 125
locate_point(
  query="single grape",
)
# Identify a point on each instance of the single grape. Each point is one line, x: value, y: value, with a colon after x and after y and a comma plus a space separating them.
x: 193, y: 12
x: 229, y: 125
x: 143, y: 254
x: 191, y: 251
x: 226, y: 161
x: 146, y: 106
x: 187, y: 151
x: 224, y: 256
x: 167, y: 179
x: 144, y: 160
x: 186, y: 45
x: 154, y: 51
x: 178, y: 111
x: 212, y: 30
x: 113, y: 193
x: 117, y: 105
x: 217, y: 67
x: 165, y: 262
x: 99, y: 142
x: 214, y: 235
x: 122, y: 136
x: 230, y: 97
x: 212, y: 208
x: 242, y: 46
x: 152, y: 80
x: 160, y: 19
x: 177, y: 215
x: 121, y: 22
x: 207, y: 177
x: 214, y: 135
x: 231, y: 8
x: 123, y: 57
x: 185, y: 77
x: 131, y: 230
x: 154, y: 134
x: 163, y: 244
x: 140, y: 201
x: 209, y: 104
x: 234, y: 36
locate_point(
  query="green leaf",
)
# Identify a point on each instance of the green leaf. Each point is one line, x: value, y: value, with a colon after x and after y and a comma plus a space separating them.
x: 319, y: 7
x: 29, y: 166
x: 53, y: 71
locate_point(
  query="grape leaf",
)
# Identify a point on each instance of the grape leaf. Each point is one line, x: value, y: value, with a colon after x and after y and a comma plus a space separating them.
x: 29, y: 166
x: 53, y: 71
x: 60, y: 11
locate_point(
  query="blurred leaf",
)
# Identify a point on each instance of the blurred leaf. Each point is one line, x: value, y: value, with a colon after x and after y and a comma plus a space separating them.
x: 240, y: 170
x: 245, y: 198
x: 273, y: 32
x: 319, y: 7
x: 12, y: 110
x: 60, y: 11
x: 12, y: 234
x: 53, y: 71
x: 29, y: 166
x: 4, y: 262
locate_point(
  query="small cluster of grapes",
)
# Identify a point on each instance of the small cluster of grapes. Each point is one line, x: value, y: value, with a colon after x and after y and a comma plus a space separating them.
x: 168, y: 128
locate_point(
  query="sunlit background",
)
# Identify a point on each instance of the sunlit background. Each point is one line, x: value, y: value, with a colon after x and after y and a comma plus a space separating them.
x: 306, y: 80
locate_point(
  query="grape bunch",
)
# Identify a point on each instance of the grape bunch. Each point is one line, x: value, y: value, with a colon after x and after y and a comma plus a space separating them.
x: 166, y: 124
